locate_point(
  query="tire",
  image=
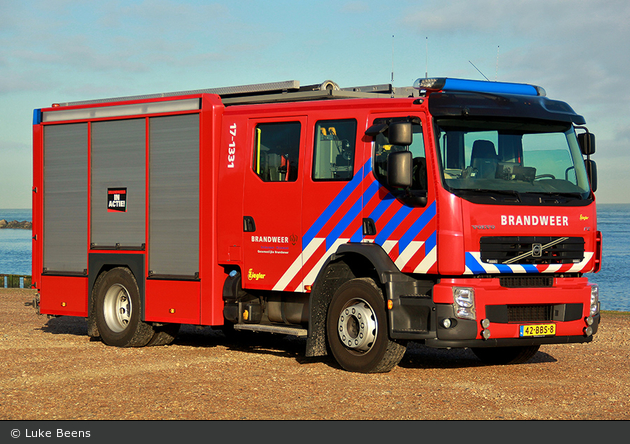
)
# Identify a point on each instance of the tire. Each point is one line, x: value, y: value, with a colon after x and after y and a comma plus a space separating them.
x: 118, y: 308
x: 506, y: 355
x: 356, y: 328
x: 164, y: 335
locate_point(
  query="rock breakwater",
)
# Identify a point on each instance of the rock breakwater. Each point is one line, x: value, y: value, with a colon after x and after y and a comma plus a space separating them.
x: 25, y: 225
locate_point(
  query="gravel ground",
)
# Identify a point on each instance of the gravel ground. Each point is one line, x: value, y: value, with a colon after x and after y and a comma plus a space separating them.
x: 51, y: 370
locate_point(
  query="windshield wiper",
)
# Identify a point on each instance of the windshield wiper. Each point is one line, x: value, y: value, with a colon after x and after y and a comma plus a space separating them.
x: 558, y: 195
x: 486, y: 191
x: 574, y: 195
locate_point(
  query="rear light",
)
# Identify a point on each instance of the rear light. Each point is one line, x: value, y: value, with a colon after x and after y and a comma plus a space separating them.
x: 464, y: 302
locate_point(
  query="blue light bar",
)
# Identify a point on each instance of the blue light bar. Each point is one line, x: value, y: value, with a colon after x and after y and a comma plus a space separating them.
x: 465, y: 85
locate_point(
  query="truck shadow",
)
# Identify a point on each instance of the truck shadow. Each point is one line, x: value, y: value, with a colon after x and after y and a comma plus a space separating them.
x: 417, y: 355
x: 421, y: 356
x: 65, y: 325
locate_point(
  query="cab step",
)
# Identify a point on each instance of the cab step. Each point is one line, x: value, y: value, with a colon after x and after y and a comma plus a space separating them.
x: 277, y: 329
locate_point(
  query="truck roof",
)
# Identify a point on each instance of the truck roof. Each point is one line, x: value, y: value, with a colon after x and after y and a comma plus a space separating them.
x: 285, y: 91
x: 449, y: 97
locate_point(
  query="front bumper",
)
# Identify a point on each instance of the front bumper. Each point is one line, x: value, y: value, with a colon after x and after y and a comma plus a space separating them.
x: 566, y: 304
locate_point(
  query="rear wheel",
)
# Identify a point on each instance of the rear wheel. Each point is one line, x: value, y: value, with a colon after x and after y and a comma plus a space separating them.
x: 506, y: 355
x: 357, y: 329
x: 118, y: 308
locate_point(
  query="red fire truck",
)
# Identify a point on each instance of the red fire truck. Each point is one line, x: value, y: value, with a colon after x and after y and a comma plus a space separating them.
x: 455, y: 213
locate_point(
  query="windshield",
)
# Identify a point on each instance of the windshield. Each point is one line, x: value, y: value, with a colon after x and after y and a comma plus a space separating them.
x: 526, y: 161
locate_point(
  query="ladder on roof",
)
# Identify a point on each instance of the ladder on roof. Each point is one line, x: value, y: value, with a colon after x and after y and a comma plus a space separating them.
x: 287, y: 91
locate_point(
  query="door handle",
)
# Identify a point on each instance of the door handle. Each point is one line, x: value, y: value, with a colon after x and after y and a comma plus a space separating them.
x: 369, y: 227
x: 249, y: 226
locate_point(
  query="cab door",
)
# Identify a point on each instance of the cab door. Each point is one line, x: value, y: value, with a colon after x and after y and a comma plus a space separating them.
x: 402, y: 222
x: 272, y: 203
x: 333, y: 190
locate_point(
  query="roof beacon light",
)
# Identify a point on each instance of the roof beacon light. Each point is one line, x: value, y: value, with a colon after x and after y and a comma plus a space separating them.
x: 465, y: 85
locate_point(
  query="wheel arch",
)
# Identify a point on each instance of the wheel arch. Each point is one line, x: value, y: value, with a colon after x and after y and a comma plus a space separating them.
x: 100, y: 263
x: 352, y: 260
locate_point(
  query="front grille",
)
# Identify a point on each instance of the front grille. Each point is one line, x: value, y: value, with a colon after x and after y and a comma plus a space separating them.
x: 504, y: 314
x: 526, y: 281
x: 529, y: 313
x: 531, y: 250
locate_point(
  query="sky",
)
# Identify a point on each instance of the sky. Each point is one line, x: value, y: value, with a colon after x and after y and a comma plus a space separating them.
x: 70, y: 50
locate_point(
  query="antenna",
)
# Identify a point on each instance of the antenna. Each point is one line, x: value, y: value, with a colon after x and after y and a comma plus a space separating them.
x: 496, y: 75
x: 484, y: 76
x: 392, y: 59
x: 426, y: 71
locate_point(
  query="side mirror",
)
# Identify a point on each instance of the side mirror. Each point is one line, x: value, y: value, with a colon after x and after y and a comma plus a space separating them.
x: 591, y: 171
x: 587, y: 143
x: 400, y: 169
x: 400, y: 133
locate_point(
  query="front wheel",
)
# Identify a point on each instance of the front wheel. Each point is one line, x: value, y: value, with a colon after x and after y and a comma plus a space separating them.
x: 118, y: 308
x: 356, y: 327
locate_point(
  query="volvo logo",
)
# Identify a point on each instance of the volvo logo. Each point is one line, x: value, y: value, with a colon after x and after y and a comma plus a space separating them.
x: 483, y: 227
x: 537, y: 250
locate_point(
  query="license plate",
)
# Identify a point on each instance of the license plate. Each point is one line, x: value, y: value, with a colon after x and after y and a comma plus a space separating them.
x: 537, y: 330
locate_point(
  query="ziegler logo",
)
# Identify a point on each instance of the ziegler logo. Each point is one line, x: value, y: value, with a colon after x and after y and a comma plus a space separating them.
x: 483, y: 227
x: 255, y: 276
x: 583, y: 217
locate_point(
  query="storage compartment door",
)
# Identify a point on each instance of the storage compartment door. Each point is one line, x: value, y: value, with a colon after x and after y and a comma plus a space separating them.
x: 65, y: 198
x: 118, y: 184
x: 174, y: 196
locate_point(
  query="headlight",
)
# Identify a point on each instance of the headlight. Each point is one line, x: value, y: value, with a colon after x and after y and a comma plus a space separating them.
x: 594, y: 299
x: 464, y: 302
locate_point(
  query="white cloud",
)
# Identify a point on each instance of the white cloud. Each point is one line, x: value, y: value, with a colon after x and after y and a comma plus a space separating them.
x: 576, y: 49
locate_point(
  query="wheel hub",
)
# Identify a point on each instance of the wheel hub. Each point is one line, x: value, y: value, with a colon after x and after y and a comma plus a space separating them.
x: 117, y: 308
x: 357, y: 326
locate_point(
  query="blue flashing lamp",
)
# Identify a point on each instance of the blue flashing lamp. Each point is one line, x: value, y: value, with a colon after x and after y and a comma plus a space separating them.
x: 37, y: 116
x: 465, y: 85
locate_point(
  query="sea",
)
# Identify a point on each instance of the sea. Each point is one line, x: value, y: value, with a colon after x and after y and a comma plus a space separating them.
x: 613, y: 220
